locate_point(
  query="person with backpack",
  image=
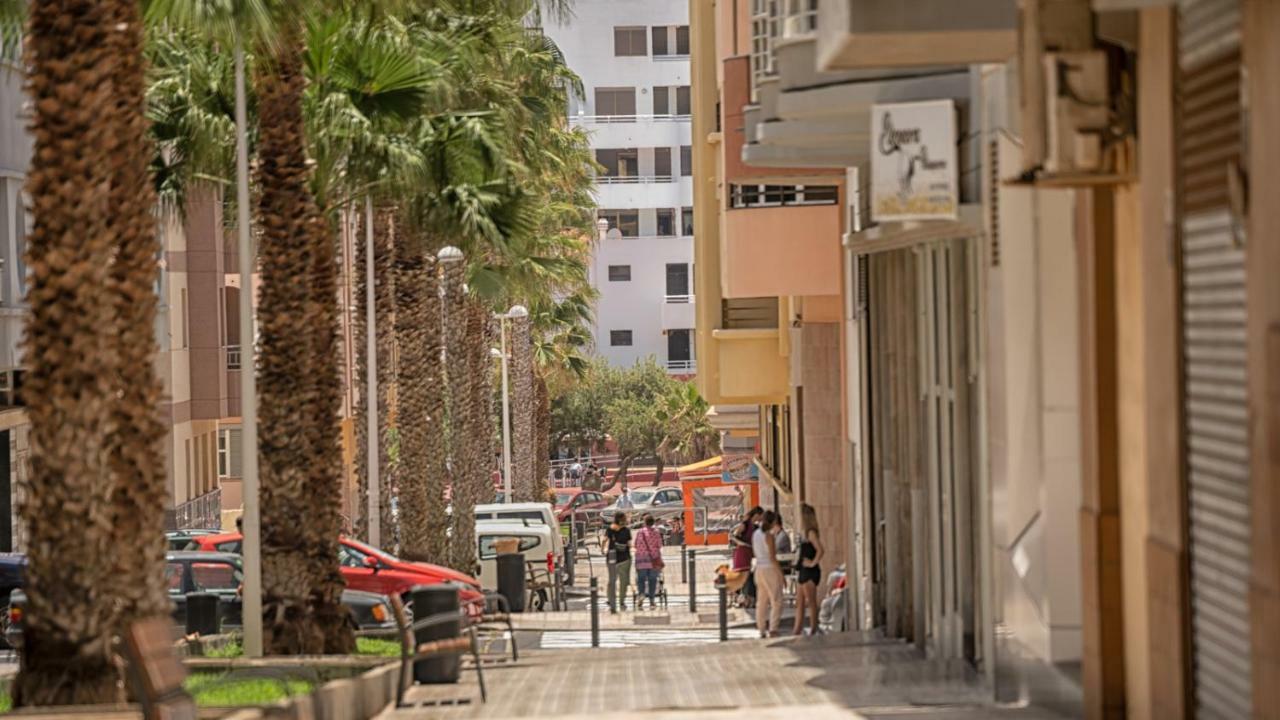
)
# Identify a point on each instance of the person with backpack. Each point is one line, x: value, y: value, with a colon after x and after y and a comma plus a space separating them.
x: 618, y: 560
x: 649, y: 561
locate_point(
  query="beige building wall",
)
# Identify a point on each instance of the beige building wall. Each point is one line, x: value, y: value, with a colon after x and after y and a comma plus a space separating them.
x: 821, y: 482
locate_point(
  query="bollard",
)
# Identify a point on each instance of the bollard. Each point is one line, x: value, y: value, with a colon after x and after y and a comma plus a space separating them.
x: 595, y: 612
x: 724, y: 609
x: 693, y: 581
x: 684, y: 558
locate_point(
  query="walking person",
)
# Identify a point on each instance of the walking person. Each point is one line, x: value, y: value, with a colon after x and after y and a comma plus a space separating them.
x: 768, y: 576
x: 740, y: 539
x: 649, y: 561
x: 617, y: 552
x: 809, y: 570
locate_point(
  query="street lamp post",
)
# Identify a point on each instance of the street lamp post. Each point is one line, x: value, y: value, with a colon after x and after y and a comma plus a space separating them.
x: 516, y: 311
x: 373, y: 486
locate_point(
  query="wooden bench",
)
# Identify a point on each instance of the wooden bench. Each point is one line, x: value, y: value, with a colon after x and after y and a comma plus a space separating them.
x: 411, y: 650
x: 156, y: 671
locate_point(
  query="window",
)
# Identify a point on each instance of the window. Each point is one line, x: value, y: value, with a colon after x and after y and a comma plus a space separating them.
x: 616, y: 101
x: 619, y: 162
x: 682, y: 40
x: 679, y: 349
x: 229, y: 546
x: 660, y: 44
x: 629, y: 42
x: 223, y: 451
x: 682, y: 100
x: 620, y: 338
x: 666, y: 222
x: 748, y: 196
x: 619, y: 273
x: 625, y: 221
x: 350, y: 557
x: 677, y: 279
x: 229, y: 452
x: 686, y: 222
x: 686, y: 160
x: 488, y: 545
x: 662, y: 162
x: 173, y: 576
x: 215, y: 576
x: 661, y: 100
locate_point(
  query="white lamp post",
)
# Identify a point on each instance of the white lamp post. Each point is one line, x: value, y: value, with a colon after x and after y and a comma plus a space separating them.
x: 516, y: 311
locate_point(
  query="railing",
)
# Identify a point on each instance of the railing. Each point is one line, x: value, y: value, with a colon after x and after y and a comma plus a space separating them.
x: 204, y: 512
x: 652, y: 237
x: 679, y: 299
x: 609, y: 119
x: 233, y: 357
x: 682, y: 365
x: 633, y: 179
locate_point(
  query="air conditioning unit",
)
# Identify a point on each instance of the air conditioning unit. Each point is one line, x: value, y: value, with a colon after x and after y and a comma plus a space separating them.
x: 1077, y: 111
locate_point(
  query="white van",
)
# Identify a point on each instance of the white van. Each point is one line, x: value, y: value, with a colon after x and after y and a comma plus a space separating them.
x: 540, y: 513
x: 534, y: 541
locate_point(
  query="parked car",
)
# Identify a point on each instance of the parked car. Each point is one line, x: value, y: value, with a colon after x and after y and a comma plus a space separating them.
x: 11, y: 570
x: 534, y: 512
x: 582, y: 505
x: 222, y: 574
x: 371, y: 570
x: 645, y: 499
x: 535, y: 541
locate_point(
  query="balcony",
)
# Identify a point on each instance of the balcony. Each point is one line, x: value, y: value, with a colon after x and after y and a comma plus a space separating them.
x: 856, y: 34
x: 679, y: 312
x: 752, y: 370
x: 652, y: 191
x: 781, y: 251
x: 636, y: 130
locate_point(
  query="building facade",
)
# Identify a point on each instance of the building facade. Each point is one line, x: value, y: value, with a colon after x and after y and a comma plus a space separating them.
x: 1023, y: 367
x: 633, y: 59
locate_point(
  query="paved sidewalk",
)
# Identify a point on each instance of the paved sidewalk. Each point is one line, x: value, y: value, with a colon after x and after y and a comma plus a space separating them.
x: 834, y: 676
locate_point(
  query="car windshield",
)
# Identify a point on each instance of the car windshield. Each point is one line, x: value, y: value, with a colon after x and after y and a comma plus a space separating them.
x: 640, y: 497
x: 563, y: 498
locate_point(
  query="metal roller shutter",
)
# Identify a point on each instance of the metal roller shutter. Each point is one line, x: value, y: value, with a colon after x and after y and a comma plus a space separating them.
x: 1213, y: 355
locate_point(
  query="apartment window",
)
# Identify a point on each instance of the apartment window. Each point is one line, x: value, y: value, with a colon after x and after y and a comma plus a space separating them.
x: 670, y: 40
x: 686, y: 222
x: 679, y: 349
x: 802, y: 18
x: 677, y: 279
x: 666, y: 222
x: 616, y: 101
x: 683, y: 103
x: 619, y: 273
x: 764, y: 28
x: 619, y: 162
x: 661, y: 100
x: 686, y: 160
x: 662, y: 162
x: 626, y: 222
x: 629, y: 42
x: 753, y: 196
x: 620, y: 338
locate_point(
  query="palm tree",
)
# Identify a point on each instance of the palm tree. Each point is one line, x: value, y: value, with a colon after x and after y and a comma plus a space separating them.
x: 523, y: 411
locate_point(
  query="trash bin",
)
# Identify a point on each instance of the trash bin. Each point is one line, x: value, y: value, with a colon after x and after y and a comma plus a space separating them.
x: 511, y: 579
x: 429, y: 601
x: 204, y: 613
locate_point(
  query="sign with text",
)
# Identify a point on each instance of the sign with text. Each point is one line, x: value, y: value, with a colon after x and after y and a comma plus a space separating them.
x: 913, y: 161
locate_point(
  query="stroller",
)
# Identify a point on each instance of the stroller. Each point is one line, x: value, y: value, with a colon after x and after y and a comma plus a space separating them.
x: 659, y: 596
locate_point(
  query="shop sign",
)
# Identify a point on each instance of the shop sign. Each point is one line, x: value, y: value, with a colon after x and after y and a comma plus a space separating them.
x: 913, y: 161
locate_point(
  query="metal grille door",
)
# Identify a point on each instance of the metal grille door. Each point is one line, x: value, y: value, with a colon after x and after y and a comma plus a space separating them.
x: 1213, y: 335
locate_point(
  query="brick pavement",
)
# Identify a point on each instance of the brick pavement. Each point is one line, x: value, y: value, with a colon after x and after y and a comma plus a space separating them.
x: 824, y: 677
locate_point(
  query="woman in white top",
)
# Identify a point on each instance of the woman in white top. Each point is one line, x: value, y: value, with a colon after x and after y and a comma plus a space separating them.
x: 768, y: 576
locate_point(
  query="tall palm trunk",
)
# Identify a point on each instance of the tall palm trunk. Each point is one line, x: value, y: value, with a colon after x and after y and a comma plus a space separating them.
x: 420, y: 408
x: 298, y: 383
x: 383, y: 301
x: 541, y: 438
x: 523, y: 451
x: 477, y: 434
x: 454, y: 328
x: 71, y: 404
x: 140, y: 494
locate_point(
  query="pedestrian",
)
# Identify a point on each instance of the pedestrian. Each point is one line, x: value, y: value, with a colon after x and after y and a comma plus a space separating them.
x: 740, y: 538
x: 649, y: 561
x: 768, y: 576
x: 624, y: 500
x: 809, y: 571
x: 784, y: 539
x: 618, y: 559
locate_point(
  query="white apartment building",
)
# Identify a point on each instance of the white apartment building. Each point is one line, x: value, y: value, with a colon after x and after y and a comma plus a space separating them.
x: 633, y: 58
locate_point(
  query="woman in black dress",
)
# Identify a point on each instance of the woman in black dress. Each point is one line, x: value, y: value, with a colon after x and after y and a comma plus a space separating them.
x: 809, y: 570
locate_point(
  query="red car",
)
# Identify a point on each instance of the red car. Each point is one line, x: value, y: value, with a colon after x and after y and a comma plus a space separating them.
x: 588, y: 503
x: 371, y: 570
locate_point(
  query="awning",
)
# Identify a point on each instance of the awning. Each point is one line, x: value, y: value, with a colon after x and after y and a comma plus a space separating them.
x: 884, y: 237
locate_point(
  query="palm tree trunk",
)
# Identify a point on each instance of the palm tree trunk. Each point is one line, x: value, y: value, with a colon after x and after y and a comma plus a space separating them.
x: 384, y: 298
x: 523, y: 451
x: 477, y: 435
x: 67, y: 506
x: 542, y: 439
x: 420, y: 406
x: 298, y: 382
x: 140, y: 494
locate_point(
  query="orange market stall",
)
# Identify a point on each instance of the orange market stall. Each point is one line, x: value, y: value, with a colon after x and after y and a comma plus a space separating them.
x: 717, y: 492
